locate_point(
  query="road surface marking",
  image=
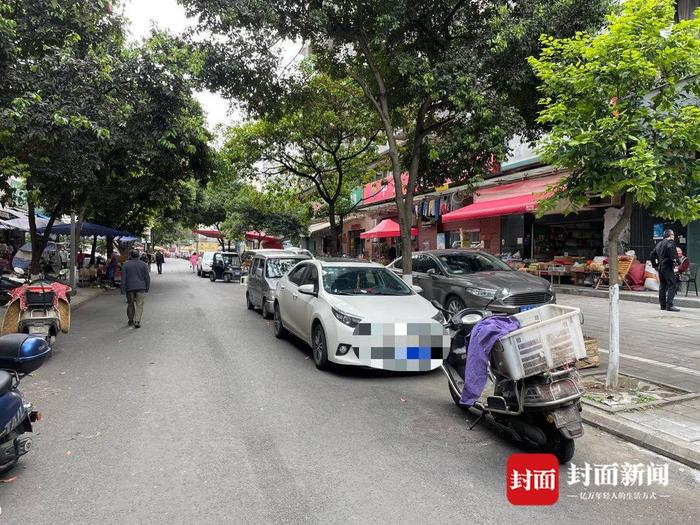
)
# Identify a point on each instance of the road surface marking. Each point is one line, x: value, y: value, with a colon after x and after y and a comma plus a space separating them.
x: 657, y: 363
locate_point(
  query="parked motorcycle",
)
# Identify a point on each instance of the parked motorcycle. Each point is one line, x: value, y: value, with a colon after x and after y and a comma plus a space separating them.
x: 8, y: 282
x: 40, y: 307
x: 536, y: 388
x: 20, y: 354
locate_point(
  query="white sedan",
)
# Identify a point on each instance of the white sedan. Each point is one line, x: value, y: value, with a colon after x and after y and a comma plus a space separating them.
x: 359, y: 313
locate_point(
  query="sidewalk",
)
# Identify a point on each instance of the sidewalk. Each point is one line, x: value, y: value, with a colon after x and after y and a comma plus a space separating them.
x: 681, y: 301
x: 658, y: 346
x: 84, y: 295
x: 672, y: 430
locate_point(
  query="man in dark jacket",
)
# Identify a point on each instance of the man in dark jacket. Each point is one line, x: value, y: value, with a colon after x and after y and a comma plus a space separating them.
x: 160, y: 259
x: 135, y: 284
x: 664, y: 257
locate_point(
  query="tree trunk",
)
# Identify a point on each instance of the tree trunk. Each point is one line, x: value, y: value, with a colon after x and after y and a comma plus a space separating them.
x: 333, y: 247
x: 613, y: 371
x: 39, y: 241
x: 93, y: 250
x: 37, y: 248
x: 109, y: 246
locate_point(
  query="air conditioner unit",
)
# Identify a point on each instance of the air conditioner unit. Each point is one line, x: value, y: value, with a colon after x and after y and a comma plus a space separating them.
x: 603, y: 202
x: 459, y: 197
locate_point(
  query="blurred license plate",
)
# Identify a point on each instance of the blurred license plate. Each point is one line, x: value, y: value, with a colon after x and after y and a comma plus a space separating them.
x: 528, y: 307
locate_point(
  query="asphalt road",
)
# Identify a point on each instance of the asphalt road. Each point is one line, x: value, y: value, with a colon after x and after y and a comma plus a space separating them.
x: 202, y: 416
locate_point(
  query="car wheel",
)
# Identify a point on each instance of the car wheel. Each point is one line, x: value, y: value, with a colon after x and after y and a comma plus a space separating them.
x: 280, y: 330
x: 318, y: 347
x: 248, y: 304
x: 454, y: 304
x: 263, y: 310
x: 212, y: 276
x: 227, y: 277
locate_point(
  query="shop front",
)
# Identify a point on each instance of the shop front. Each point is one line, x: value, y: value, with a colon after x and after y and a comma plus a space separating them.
x: 384, y: 241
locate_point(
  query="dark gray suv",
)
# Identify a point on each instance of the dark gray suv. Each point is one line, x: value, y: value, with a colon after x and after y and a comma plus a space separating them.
x: 468, y: 278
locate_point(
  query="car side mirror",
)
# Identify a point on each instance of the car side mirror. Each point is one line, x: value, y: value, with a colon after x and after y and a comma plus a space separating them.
x: 308, y: 289
x: 417, y: 288
x: 432, y: 272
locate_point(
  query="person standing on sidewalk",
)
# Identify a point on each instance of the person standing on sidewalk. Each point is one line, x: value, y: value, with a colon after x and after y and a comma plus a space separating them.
x: 193, y: 261
x: 664, y: 258
x: 135, y: 284
x: 160, y: 259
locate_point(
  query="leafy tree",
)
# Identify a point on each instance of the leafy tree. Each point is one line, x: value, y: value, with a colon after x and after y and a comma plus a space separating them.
x: 55, y: 99
x: 623, y: 107
x: 429, y: 69
x: 274, y: 213
x: 158, y: 153
x: 322, y: 134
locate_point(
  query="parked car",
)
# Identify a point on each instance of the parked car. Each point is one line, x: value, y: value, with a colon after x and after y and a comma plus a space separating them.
x: 460, y: 279
x: 226, y: 266
x: 359, y: 313
x: 204, y: 264
x: 267, y: 267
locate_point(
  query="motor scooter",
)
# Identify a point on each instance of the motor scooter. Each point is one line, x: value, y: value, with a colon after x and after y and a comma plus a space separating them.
x: 8, y: 282
x: 536, y: 388
x: 20, y: 354
x: 38, y: 307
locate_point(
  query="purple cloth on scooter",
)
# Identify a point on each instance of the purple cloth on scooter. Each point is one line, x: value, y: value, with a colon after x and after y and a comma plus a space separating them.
x: 484, y: 336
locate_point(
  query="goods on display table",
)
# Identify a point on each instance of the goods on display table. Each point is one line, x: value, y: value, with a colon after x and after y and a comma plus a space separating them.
x: 633, y: 274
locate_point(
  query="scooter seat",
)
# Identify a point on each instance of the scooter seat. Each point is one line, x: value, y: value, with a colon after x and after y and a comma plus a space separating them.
x: 5, y: 382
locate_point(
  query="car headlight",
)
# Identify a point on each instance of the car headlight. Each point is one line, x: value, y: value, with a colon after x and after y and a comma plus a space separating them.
x: 482, y: 292
x: 347, y: 319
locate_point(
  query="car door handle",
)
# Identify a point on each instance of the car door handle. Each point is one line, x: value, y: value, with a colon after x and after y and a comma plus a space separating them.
x: 294, y: 296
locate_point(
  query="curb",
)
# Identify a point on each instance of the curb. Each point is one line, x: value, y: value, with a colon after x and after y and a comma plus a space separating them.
x: 656, y: 442
x: 684, y: 302
x: 81, y: 303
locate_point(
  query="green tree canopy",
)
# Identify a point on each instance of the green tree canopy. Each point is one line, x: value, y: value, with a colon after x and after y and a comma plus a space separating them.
x: 622, y: 104
x: 321, y: 138
x: 429, y: 69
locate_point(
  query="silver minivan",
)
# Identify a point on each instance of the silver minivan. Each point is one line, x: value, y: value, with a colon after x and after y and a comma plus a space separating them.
x: 266, y: 269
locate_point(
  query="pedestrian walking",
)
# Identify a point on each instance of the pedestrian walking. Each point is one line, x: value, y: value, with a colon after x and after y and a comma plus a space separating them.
x: 136, y: 282
x: 80, y: 259
x: 664, y: 258
x: 160, y: 259
x: 112, y: 269
x: 194, y: 259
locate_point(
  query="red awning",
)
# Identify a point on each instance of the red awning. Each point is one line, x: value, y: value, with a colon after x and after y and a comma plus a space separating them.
x: 209, y: 233
x: 493, y: 208
x: 386, y: 228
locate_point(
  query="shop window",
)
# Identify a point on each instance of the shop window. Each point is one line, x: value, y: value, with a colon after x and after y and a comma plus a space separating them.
x: 470, y: 239
x: 356, y: 245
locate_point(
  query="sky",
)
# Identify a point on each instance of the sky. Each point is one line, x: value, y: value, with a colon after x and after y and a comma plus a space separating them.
x: 168, y: 14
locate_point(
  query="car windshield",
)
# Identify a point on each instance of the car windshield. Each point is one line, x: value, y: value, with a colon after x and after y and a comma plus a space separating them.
x: 231, y: 259
x: 354, y: 280
x: 276, y: 268
x: 463, y: 263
